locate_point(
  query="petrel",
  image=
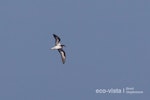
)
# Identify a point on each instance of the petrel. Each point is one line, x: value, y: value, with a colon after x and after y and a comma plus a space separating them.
x: 58, y: 46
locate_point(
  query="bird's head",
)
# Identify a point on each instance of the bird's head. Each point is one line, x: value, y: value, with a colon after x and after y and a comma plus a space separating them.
x: 63, y: 45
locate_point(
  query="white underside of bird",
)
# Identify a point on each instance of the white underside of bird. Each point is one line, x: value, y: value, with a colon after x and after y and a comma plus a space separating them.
x: 58, y: 46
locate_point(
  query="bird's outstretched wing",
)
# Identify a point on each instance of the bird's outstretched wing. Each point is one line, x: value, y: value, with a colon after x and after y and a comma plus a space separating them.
x: 57, y: 39
x: 63, y: 55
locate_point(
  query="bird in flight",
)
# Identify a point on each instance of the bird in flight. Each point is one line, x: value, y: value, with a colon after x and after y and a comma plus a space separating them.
x: 58, y: 46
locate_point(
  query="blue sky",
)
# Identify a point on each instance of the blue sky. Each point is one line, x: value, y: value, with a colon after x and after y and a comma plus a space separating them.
x: 107, y: 46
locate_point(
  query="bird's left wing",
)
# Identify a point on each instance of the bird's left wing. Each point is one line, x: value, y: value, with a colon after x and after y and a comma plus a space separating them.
x: 63, y: 55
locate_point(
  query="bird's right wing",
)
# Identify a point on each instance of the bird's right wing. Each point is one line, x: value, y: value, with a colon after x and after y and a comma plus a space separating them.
x: 57, y: 39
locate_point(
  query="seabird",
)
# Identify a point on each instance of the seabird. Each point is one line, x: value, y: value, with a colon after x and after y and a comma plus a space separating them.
x: 58, y: 46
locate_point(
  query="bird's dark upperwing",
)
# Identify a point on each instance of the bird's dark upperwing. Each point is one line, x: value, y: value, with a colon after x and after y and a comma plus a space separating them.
x: 63, y: 55
x: 57, y: 39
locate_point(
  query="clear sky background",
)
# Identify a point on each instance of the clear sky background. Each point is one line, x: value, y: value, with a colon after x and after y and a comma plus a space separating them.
x: 107, y: 46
